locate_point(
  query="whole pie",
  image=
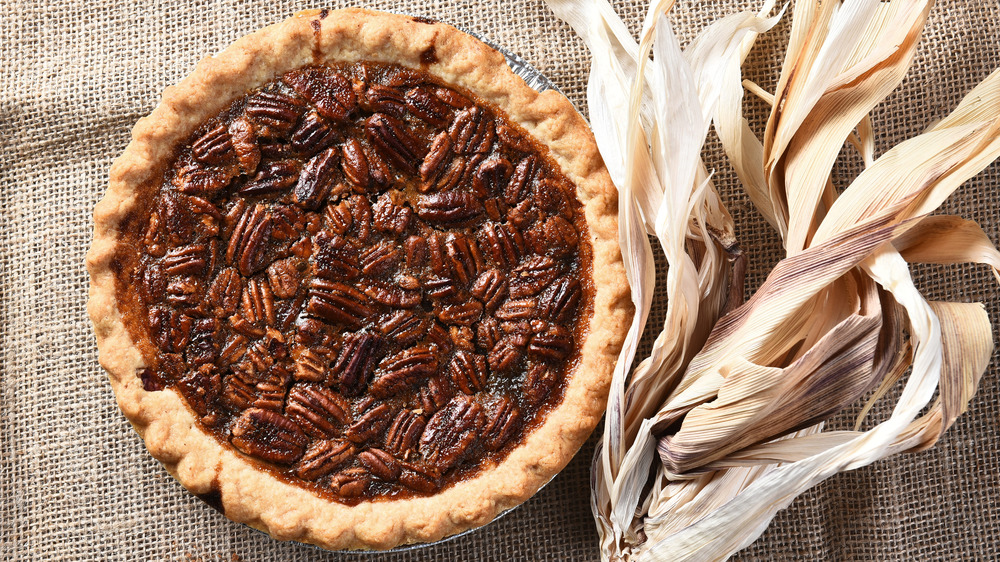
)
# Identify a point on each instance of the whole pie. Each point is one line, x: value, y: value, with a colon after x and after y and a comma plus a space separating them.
x: 356, y: 284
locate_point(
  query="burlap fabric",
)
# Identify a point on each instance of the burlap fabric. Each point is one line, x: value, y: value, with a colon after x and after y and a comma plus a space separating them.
x: 75, y: 480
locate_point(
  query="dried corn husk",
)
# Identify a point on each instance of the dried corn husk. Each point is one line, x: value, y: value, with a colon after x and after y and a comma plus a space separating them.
x: 722, y: 425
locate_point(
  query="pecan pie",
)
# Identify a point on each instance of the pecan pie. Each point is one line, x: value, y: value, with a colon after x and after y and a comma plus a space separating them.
x: 356, y: 284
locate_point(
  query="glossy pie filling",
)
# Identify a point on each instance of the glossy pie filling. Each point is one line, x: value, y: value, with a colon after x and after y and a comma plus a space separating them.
x: 370, y: 283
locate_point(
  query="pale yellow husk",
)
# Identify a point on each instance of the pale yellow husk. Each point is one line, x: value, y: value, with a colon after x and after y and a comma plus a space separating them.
x: 723, y: 424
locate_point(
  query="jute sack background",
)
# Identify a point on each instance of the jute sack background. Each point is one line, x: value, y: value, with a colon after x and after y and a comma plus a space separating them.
x: 75, y: 480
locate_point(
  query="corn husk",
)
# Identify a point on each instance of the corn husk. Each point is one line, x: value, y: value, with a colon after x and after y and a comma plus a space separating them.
x: 723, y: 424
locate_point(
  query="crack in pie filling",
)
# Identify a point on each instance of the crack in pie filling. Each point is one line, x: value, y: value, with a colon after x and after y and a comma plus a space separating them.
x: 356, y: 284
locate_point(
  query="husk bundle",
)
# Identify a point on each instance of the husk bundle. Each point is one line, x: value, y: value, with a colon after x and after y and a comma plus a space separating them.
x: 722, y: 425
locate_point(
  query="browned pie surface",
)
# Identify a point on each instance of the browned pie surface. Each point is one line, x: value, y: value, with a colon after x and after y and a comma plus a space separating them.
x: 370, y: 282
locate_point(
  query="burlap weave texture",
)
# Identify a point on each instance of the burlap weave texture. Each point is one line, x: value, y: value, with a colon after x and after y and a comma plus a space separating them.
x: 75, y: 480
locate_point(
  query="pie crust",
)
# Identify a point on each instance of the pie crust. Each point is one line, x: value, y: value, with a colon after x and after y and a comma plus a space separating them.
x: 229, y: 480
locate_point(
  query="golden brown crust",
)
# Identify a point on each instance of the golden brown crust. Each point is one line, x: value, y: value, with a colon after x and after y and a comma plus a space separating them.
x: 256, y: 497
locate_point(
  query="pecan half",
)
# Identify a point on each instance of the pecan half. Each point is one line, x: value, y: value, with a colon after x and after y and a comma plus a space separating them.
x: 243, y: 138
x: 247, y: 248
x: 171, y: 329
x: 438, y: 255
x: 427, y: 106
x: 403, y: 369
x: 442, y: 169
x: 154, y: 284
x: 450, y: 175
x: 285, y: 276
x: 355, y: 362
x: 213, y: 146
x: 317, y: 179
x: 232, y: 216
x: 390, y: 214
x: 461, y: 337
x: 277, y: 113
x: 189, y: 260
x: 350, y: 483
x: 236, y: 392
x: 381, y: 258
x: 472, y: 131
x: 490, y: 288
x: 503, y: 243
x: 232, y: 350
x: 466, y: 259
x: 184, y: 292
x: 420, y: 478
x: 200, y: 387
x: 248, y: 329
x: 533, y: 276
x: 196, y: 180
x: 503, y: 421
x: 495, y: 209
x: 452, y: 98
x: 554, y: 344
x: 404, y: 327
x: 317, y: 409
x: 338, y: 217
x: 521, y: 183
x: 178, y: 219
x: 361, y: 214
x: 380, y: 463
x: 269, y: 436
x: 271, y: 389
x: 555, y: 236
x: 311, y: 363
x: 370, y: 424
x: 378, y: 171
x: 390, y: 294
x: 355, y: 164
x: 438, y: 156
x: 258, y: 303
x: 323, y: 457
x: 468, y: 371
x: 384, y: 99
x: 555, y: 197
x: 404, y: 432
x: 331, y: 93
x: 440, y: 336
x: 506, y: 353
x: 336, y: 257
x: 391, y: 138
x: 272, y: 178
x: 155, y: 238
x: 441, y: 288
x: 274, y: 149
x: 449, y: 207
x: 416, y: 251
x: 463, y: 314
x: 488, y: 334
x: 539, y: 382
x: 338, y: 303
x: 264, y: 352
x: 435, y: 395
x: 452, y: 431
x: 523, y: 214
x: 519, y: 309
x: 313, y: 135
x: 561, y: 301
x: 491, y: 177
x: 288, y: 222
